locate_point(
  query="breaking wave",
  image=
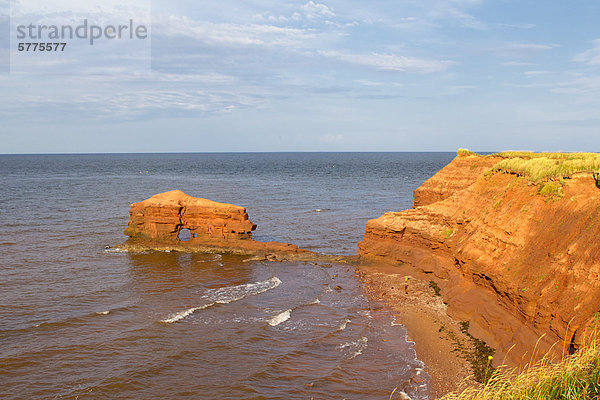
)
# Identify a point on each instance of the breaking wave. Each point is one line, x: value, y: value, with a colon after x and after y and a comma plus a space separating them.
x: 355, y: 348
x: 226, y: 295
x: 344, y: 324
x: 281, y: 317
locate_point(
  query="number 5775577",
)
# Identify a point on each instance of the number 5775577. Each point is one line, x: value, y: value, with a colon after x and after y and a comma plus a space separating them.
x: 42, y: 46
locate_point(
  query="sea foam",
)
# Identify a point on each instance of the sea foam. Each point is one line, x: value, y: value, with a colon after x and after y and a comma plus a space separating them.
x: 281, y: 317
x: 355, y: 348
x: 344, y: 324
x: 226, y: 295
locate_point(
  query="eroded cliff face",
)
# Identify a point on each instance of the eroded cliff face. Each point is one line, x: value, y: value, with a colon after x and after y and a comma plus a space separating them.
x: 457, y: 175
x: 158, y: 221
x: 516, y: 264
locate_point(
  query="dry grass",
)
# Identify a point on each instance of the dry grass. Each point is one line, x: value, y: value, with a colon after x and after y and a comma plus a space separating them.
x: 576, y: 377
x: 548, y: 166
x: 544, y: 167
x: 465, y: 153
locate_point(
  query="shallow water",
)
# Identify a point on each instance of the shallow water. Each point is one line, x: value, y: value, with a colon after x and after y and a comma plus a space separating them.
x: 79, y: 321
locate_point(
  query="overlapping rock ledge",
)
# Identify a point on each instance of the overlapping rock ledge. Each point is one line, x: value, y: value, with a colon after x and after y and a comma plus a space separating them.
x: 160, y: 222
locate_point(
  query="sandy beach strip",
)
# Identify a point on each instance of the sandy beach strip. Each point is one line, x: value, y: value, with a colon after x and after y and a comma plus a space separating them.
x: 439, y: 340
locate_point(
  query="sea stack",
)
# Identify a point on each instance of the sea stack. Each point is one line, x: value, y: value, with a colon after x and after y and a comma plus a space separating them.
x: 162, y: 217
x: 156, y: 224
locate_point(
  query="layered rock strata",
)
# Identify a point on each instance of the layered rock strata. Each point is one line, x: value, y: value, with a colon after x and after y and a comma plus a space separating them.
x: 159, y: 221
x: 517, y: 265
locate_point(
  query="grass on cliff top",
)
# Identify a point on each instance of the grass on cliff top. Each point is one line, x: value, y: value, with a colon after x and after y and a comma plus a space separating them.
x: 541, y: 167
x: 576, y: 377
x: 548, y: 166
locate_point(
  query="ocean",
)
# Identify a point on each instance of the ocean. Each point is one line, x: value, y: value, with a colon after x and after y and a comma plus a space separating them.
x: 81, y: 321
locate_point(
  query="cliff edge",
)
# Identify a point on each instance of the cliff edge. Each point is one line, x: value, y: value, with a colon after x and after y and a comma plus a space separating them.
x: 512, y: 240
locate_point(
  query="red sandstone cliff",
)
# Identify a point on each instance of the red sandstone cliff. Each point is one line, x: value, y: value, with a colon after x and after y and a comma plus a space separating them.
x: 514, y: 263
x: 157, y: 222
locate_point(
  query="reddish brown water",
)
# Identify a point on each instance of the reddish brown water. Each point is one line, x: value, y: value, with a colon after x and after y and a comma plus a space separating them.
x: 78, y: 321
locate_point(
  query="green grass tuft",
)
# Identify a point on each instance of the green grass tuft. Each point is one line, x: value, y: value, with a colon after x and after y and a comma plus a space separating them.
x: 577, y: 377
x: 435, y: 288
x: 480, y: 358
x: 552, y: 188
x: 446, y: 233
x: 465, y: 153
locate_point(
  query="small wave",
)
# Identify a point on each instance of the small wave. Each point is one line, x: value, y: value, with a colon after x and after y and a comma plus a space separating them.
x: 115, y: 250
x: 280, y: 318
x: 7, y: 243
x: 103, y: 312
x: 355, y: 348
x: 395, y: 323
x: 182, y: 314
x: 226, y: 295
x: 315, y: 301
x: 318, y: 210
x: 234, y: 293
x: 344, y: 324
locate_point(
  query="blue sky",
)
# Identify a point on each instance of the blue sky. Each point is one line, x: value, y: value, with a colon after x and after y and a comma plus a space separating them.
x: 422, y: 75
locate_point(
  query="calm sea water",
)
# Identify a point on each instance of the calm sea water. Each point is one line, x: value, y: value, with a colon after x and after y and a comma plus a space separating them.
x: 78, y: 321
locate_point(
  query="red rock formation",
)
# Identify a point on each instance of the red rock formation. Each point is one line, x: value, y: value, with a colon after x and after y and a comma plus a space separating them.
x: 514, y: 263
x: 455, y: 176
x: 163, y: 216
x: 158, y: 221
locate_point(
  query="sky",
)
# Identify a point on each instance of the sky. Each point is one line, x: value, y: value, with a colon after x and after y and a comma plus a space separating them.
x: 317, y: 75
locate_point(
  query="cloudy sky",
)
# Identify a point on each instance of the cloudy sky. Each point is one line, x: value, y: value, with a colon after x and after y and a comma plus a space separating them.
x: 317, y: 75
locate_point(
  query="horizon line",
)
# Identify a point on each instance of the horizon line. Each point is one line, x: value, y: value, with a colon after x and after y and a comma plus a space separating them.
x: 252, y: 152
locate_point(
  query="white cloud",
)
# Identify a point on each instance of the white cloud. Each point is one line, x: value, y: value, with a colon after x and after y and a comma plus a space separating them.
x: 390, y: 62
x: 591, y: 56
x: 416, y: 16
x: 312, y: 10
x: 459, y: 88
x: 230, y: 33
x: 517, y: 26
x: 269, y: 17
x: 518, y: 64
x: 454, y: 12
x: 531, y: 46
x: 535, y: 73
x: 465, y: 19
x: 519, y: 50
x: 129, y: 104
x: 582, y: 85
x: 38, y: 7
x: 122, y: 97
x: 331, y: 138
x: 367, y: 82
